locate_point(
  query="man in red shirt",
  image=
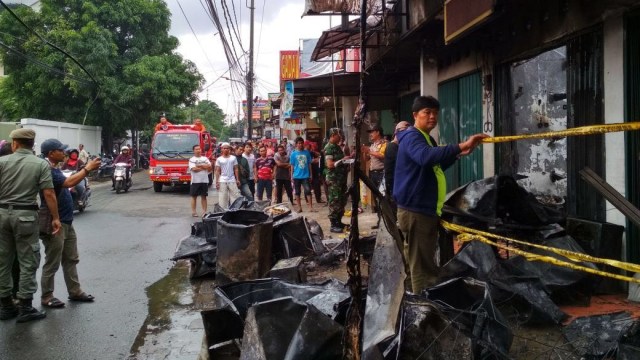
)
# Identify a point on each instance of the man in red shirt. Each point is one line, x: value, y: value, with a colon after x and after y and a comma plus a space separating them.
x: 264, y: 173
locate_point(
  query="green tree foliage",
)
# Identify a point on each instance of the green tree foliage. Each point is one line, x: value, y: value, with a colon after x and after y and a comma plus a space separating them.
x: 207, y: 111
x: 124, y: 44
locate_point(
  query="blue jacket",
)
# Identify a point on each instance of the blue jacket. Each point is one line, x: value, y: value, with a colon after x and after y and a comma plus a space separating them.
x: 416, y: 187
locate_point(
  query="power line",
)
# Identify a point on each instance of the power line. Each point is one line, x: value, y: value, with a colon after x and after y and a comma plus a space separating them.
x: 49, y: 43
x: 45, y: 65
x: 196, y: 36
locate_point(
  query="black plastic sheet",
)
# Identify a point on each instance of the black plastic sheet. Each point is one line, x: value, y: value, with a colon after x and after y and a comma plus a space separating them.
x: 287, y: 329
x: 291, y: 238
x: 501, y: 200
x: 596, y: 337
x: 478, y: 260
x: 468, y: 303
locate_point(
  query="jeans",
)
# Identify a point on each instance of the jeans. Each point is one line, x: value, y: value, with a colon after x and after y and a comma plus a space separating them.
x: 265, y: 185
x: 245, y: 191
x: 252, y: 187
x: 304, y: 183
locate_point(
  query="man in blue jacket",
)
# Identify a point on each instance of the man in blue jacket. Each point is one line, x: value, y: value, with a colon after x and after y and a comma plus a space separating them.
x: 420, y: 188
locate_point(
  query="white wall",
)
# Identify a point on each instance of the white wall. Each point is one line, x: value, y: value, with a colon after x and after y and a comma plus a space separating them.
x: 614, y: 110
x: 67, y: 133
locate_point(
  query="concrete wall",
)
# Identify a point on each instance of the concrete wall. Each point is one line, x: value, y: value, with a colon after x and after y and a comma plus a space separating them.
x: 67, y: 133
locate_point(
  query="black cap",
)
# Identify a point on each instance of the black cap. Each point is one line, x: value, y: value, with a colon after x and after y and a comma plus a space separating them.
x: 377, y: 128
x: 50, y: 145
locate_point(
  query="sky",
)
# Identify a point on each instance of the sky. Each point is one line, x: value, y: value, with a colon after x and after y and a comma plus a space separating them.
x: 277, y: 26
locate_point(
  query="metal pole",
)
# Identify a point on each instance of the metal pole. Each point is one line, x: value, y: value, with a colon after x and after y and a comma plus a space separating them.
x: 250, y: 77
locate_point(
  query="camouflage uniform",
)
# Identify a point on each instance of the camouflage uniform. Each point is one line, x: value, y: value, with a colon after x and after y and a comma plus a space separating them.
x: 336, y: 180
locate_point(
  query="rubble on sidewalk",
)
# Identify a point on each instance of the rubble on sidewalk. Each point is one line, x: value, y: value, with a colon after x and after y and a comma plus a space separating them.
x: 461, y: 317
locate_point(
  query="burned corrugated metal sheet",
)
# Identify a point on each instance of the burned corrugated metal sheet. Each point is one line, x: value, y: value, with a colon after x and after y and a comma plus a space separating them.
x: 632, y: 102
x: 585, y: 95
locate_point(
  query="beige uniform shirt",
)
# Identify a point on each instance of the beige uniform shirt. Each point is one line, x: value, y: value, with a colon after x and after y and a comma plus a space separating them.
x: 22, y: 176
x: 379, y: 146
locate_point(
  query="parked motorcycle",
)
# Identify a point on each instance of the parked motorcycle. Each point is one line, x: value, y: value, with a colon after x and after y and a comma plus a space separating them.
x: 144, y: 161
x: 106, y: 167
x: 80, y: 193
x: 122, y: 176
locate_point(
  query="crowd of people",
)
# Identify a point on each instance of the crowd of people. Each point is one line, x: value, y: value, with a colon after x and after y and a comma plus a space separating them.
x: 265, y: 170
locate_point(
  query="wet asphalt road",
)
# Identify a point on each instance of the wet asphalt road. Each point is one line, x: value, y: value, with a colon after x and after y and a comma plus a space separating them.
x: 124, y: 242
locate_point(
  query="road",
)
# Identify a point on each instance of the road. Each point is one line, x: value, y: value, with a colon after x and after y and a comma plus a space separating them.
x: 125, y: 242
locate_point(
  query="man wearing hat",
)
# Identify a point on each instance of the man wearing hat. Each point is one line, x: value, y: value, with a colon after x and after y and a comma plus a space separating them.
x: 375, y: 154
x: 22, y: 177
x: 62, y: 247
x: 420, y: 188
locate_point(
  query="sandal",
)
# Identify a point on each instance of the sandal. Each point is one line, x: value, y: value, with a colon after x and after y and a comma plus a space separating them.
x: 53, y: 303
x: 84, y: 297
x: 194, y: 215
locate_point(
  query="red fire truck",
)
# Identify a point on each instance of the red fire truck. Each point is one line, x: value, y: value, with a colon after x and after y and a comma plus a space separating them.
x: 171, y: 149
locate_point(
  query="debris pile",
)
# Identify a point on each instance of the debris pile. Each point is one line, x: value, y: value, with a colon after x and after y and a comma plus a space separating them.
x: 265, y: 309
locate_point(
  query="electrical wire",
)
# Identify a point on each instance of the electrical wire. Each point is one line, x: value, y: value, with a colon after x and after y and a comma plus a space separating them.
x: 49, y: 43
x: 45, y: 65
x: 196, y: 36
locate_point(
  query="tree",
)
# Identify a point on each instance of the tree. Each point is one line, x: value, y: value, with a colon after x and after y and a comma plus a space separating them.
x: 123, y: 44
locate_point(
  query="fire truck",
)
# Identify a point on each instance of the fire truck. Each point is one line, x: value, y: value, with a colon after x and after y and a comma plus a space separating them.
x: 171, y: 149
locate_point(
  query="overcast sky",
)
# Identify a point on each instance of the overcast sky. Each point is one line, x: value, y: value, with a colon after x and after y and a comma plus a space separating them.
x: 278, y: 26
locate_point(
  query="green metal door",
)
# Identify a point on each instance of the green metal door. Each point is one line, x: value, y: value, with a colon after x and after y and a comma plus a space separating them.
x: 460, y: 117
x: 470, y: 122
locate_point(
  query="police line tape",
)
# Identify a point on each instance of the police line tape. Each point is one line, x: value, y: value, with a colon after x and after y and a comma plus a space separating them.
x: 468, y: 234
x: 581, y: 130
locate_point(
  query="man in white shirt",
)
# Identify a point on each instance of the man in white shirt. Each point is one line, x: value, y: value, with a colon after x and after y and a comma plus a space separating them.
x: 227, y: 180
x: 83, y: 154
x: 199, y: 167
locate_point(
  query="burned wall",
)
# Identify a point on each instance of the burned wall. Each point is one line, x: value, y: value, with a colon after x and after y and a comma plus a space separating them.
x: 539, y: 98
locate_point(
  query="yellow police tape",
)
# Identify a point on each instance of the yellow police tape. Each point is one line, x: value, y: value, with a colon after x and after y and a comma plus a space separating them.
x: 581, y: 130
x: 469, y: 234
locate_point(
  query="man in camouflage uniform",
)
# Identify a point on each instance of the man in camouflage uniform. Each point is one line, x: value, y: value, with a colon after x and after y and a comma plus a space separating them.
x: 336, y: 179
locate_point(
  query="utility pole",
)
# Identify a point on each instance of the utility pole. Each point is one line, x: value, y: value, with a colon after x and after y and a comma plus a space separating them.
x: 250, y: 77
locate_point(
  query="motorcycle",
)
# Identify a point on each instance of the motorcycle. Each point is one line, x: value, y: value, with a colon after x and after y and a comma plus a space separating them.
x: 80, y: 193
x: 144, y: 161
x: 106, y: 167
x: 122, y: 176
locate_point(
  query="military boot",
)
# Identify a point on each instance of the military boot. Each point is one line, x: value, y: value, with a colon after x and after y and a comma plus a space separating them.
x: 8, y: 309
x: 336, y: 226
x: 26, y: 312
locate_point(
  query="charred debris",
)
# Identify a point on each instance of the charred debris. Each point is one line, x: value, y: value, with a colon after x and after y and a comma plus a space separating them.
x: 266, y: 309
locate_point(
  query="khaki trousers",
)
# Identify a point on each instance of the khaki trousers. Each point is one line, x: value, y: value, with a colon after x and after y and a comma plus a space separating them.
x: 227, y: 194
x: 421, y: 242
x: 61, y: 248
x: 19, y: 239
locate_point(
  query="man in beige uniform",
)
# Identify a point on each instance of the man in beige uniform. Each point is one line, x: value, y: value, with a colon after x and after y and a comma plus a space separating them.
x: 22, y: 177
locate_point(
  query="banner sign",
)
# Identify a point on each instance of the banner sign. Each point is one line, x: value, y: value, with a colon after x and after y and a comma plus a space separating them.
x: 258, y: 105
x: 289, y: 64
x: 287, y: 101
x: 273, y: 97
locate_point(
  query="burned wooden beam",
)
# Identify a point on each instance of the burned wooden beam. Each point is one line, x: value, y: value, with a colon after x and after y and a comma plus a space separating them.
x: 612, y: 195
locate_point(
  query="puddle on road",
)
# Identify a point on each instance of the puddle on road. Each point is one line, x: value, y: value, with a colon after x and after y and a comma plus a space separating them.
x: 171, y: 319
